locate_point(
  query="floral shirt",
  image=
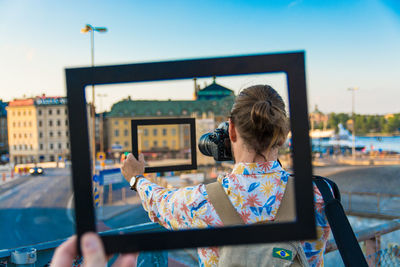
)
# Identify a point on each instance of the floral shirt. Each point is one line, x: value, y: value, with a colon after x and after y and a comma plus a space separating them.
x: 255, y: 190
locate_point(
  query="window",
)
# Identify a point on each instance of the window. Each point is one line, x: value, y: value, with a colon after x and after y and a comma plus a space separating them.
x: 41, y: 146
x: 173, y: 131
x: 30, y: 124
x: 155, y: 132
x: 24, y: 123
x: 59, y: 133
x: 164, y: 143
x: 66, y: 111
x: 39, y: 112
x: 66, y: 133
x: 164, y: 132
x: 14, y: 124
x: 51, y: 134
x: 155, y: 143
x: 19, y: 135
x: 68, y: 145
x: 50, y: 112
x: 146, y: 144
x: 29, y: 113
x: 173, y: 143
x: 40, y: 123
x: 58, y: 123
x: 15, y: 147
x: 59, y: 146
x: 115, y: 122
x: 25, y: 135
x: 116, y: 133
x: 126, y: 132
x: 51, y: 146
x: 58, y: 112
x: 50, y: 123
x: 19, y: 113
x: 126, y: 122
x: 15, y: 135
x: 24, y: 113
x: 19, y: 124
x: 126, y: 143
x: 30, y: 147
x: 66, y: 122
x: 146, y: 132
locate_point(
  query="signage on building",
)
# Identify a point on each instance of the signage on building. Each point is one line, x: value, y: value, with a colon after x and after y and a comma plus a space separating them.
x: 116, y: 147
x: 51, y: 101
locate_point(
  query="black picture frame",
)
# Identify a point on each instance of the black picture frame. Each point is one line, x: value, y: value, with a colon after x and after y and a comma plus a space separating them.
x: 293, y: 64
x: 135, y: 123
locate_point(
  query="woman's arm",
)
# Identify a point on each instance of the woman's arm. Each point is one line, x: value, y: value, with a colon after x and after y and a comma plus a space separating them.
x: 173, y: 208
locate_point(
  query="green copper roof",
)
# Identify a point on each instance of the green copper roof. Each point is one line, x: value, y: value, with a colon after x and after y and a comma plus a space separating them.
x: 143, y: 108
x: 214, y: 91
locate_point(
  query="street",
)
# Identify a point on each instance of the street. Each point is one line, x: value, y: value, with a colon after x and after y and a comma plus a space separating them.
x: 35, y: 209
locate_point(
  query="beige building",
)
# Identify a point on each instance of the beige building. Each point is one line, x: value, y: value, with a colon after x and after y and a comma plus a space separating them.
x: 38, y: 130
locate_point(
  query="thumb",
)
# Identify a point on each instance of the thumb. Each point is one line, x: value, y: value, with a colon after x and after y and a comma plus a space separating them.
x: 93, y: 251
x: 141, y: 158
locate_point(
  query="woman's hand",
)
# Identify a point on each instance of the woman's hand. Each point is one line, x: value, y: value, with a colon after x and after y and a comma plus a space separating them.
x: 132, y: 167
x: 93, y: 253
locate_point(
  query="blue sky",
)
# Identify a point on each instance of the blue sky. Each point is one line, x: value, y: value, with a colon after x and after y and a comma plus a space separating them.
x: 347, y: 43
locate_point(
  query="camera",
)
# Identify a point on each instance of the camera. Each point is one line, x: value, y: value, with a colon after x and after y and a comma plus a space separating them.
x: 217, y: 144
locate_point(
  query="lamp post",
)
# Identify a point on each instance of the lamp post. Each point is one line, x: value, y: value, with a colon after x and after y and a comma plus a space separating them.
x: 101, y: 133
x: 353, y: 90
x: 89, y: 28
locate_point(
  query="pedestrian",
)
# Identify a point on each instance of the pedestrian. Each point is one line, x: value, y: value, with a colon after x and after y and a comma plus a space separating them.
x: 258, y: 127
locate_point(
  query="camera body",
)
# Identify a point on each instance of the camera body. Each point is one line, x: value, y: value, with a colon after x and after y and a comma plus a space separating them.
x: 217, y: 143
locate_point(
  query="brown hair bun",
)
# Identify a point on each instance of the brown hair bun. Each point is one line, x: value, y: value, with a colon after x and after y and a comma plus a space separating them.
x: 260, y: 117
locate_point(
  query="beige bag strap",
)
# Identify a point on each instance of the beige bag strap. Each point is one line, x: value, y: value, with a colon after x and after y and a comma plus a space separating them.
x: 228, y: 214
x: 222, y: 205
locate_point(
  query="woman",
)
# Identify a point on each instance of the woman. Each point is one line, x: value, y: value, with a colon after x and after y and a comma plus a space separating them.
x: 258, y: 126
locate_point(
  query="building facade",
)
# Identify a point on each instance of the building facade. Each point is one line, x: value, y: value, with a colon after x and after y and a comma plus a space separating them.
x: 3, y: 131
x: 38, y: 130
x: 212, y: 106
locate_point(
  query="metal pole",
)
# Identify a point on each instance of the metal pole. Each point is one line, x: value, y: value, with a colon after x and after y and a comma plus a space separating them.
x: 93, y: 107
x: 354, y: 126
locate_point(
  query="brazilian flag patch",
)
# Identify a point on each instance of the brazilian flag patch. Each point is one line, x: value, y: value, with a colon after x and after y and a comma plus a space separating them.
x: 282, y: 253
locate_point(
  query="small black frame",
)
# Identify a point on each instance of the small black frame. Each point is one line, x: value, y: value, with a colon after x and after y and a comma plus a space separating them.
x: 188, y: 121
x: 290, y: 63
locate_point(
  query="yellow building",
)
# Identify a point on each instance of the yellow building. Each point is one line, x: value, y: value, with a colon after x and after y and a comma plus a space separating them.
x: 38, y: 129
x: 213, y: 104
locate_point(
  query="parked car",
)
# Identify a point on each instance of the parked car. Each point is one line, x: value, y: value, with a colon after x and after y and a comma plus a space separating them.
x: 36, y: 171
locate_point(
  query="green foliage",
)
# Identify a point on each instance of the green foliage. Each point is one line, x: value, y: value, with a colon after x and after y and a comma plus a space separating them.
x: 365, y: 124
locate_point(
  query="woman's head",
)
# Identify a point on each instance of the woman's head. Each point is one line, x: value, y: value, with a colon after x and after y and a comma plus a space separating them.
x: 260, y: 118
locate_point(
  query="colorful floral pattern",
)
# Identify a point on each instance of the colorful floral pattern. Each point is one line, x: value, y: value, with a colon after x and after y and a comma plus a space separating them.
x: 256, y: 191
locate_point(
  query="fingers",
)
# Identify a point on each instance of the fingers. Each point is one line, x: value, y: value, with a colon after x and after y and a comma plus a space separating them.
x: 141, y: 158
x: 93, y: 250
x: 65, y: 253
x: 127, y: 260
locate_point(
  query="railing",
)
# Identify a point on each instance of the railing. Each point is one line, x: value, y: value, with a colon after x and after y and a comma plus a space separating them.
x: 372, y: 244
x: 40, y: 254
x: 378, y: 212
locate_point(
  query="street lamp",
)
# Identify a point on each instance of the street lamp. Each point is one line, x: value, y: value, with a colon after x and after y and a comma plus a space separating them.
x: 101, y: 122
x: 89, y: 28
x: 353, y: 90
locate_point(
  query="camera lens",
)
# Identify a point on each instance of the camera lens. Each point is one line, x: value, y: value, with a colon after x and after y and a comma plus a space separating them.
x: 205, y: 144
